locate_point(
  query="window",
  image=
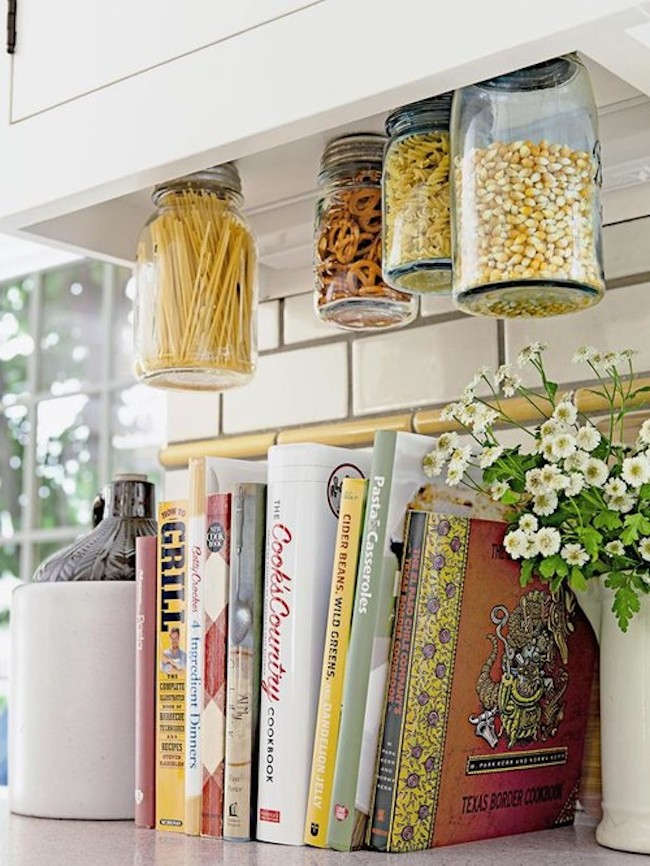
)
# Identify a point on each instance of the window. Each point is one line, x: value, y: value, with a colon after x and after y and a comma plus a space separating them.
x: 71, y: 412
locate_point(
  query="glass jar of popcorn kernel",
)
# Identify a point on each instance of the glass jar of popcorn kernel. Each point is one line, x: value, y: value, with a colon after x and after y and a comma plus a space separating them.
x: 526, y: 185
x: 350, y: 291
x: 415, y: 188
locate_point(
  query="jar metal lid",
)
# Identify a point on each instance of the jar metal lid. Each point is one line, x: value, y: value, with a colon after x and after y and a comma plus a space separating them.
x: 357, y: 147
x: 540, y: 76
x: 226, y: 176
x: 434, y: 111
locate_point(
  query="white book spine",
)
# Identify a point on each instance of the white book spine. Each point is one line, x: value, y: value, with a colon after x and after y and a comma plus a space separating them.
x: 303, y: 490
x: 195, y: 666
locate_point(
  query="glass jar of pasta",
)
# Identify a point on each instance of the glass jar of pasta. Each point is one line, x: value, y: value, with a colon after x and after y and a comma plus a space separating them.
x: 415, y: 188
x: 196, y: 285
x: 349, y: 289
x: 526, y: 191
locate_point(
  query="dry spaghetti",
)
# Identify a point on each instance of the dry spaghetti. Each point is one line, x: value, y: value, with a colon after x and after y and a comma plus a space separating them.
x: 196, y: 276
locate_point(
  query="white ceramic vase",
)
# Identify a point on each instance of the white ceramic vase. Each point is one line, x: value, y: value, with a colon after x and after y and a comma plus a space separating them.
x: 625, y: 721
x: 71, y: 724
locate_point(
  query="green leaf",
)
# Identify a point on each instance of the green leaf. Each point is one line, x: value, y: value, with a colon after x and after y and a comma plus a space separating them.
x: 553, y: 565
x: 591, y: 540
x: 626, y: 604
x: 577, y: 580
x: 644, y: 491
x: 616, y: 579
x: 551, y: 389
x: 556, y: 582
x: 527, y: 570
x: 509, y: 497
x: 635, y: 525
x: 608, y: 520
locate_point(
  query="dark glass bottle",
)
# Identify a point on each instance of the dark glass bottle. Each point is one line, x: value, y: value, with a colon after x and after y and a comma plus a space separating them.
x: 108, y: 551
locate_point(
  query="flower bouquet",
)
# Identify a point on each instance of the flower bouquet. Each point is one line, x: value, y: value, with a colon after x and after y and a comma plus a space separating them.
x: 579, y: 500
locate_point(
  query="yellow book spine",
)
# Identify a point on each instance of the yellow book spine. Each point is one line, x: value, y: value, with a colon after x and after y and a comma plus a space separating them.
x: 171, y: 663
x: 339, y: 618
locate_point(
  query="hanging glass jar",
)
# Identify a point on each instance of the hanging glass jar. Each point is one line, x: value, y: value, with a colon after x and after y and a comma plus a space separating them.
x: 349, y: 287
x: 196, y: 285
x: 415, y: 189
x: 526, y: 192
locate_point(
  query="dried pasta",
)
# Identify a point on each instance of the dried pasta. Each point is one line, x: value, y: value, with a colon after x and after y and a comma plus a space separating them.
x: 200, y: 276
x: 416, y: 216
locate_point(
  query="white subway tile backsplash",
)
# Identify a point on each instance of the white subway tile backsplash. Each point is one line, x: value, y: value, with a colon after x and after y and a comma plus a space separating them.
x: 436, y: 305
x: 177, y: 482
x: 301, y: 322
x: 295, y: 387
x: 268, y: 326
x: 192, y: 415
x: 620, y: 321
x: 626, y: 247
x: 429, y: 364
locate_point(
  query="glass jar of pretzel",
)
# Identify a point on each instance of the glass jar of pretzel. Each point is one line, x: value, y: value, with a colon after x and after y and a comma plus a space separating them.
x: 415, y: 189
x: 196, y: 285
x: 349, y: 289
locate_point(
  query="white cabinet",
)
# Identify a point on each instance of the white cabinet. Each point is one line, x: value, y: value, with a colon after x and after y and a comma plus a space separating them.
x: 70, y: 48
x: 103, y: 100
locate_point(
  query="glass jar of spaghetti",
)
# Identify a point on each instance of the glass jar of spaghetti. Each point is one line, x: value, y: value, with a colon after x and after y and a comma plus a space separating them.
x: 417, y: 230
x: 350, y: 290
x: 196, y: 285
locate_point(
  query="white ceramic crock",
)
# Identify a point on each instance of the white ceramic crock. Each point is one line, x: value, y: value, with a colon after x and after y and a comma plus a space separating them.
x: 71, y: 720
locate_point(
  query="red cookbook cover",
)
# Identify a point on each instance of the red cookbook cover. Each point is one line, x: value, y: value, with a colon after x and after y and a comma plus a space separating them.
x: 145, y: 680
x: 487, y: 698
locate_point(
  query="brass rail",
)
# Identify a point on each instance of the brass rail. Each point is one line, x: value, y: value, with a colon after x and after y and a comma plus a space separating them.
x: 360, y: 432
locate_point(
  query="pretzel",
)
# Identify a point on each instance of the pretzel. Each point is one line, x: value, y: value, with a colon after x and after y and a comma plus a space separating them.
x: 348, y: 243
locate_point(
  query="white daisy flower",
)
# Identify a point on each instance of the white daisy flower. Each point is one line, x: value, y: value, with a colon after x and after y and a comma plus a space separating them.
x: 450, y: 412
x: 565, y: 413
x: 547, y: 451
x: 584, y: 354
x: 575, y: 485
x: 509, y: 386
x: 460, y: 458
x: 615, y: 487
x: 615, y: 548
x: 574, y: 554
x: 545, y: 503
x: 576, y: 462
x: 636, y: 470
x: 489, y: 456
x: 503, y: 372
x: 611, y: 360
x: 497, y: 489
x: 529, y: 352
x: 623, y: 503
x: 628, y: 354
x: 644, y: 433
x: 515, y: 543
x: 534, y: 483
x: 548, y: 540
x: 532, y: 547
x: 454, y: 476
x: 587, y: 438
x: 467, y: 413
x: 596, y: 472
x: 433, y: 463
x: 551, y: 477
x: 447, y: 442
x: 485, y: 417
x: 528, y: 523
x: 550, y: 427
x: 481, y: 374
x: 563, y: 445
x: 644, y: 549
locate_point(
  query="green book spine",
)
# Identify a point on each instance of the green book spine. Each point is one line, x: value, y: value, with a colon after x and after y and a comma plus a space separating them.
x: 367, y: 613
x: 393, y: 723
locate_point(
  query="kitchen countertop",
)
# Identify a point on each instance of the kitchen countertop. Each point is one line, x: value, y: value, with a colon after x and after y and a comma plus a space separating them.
x: 44, y: 842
